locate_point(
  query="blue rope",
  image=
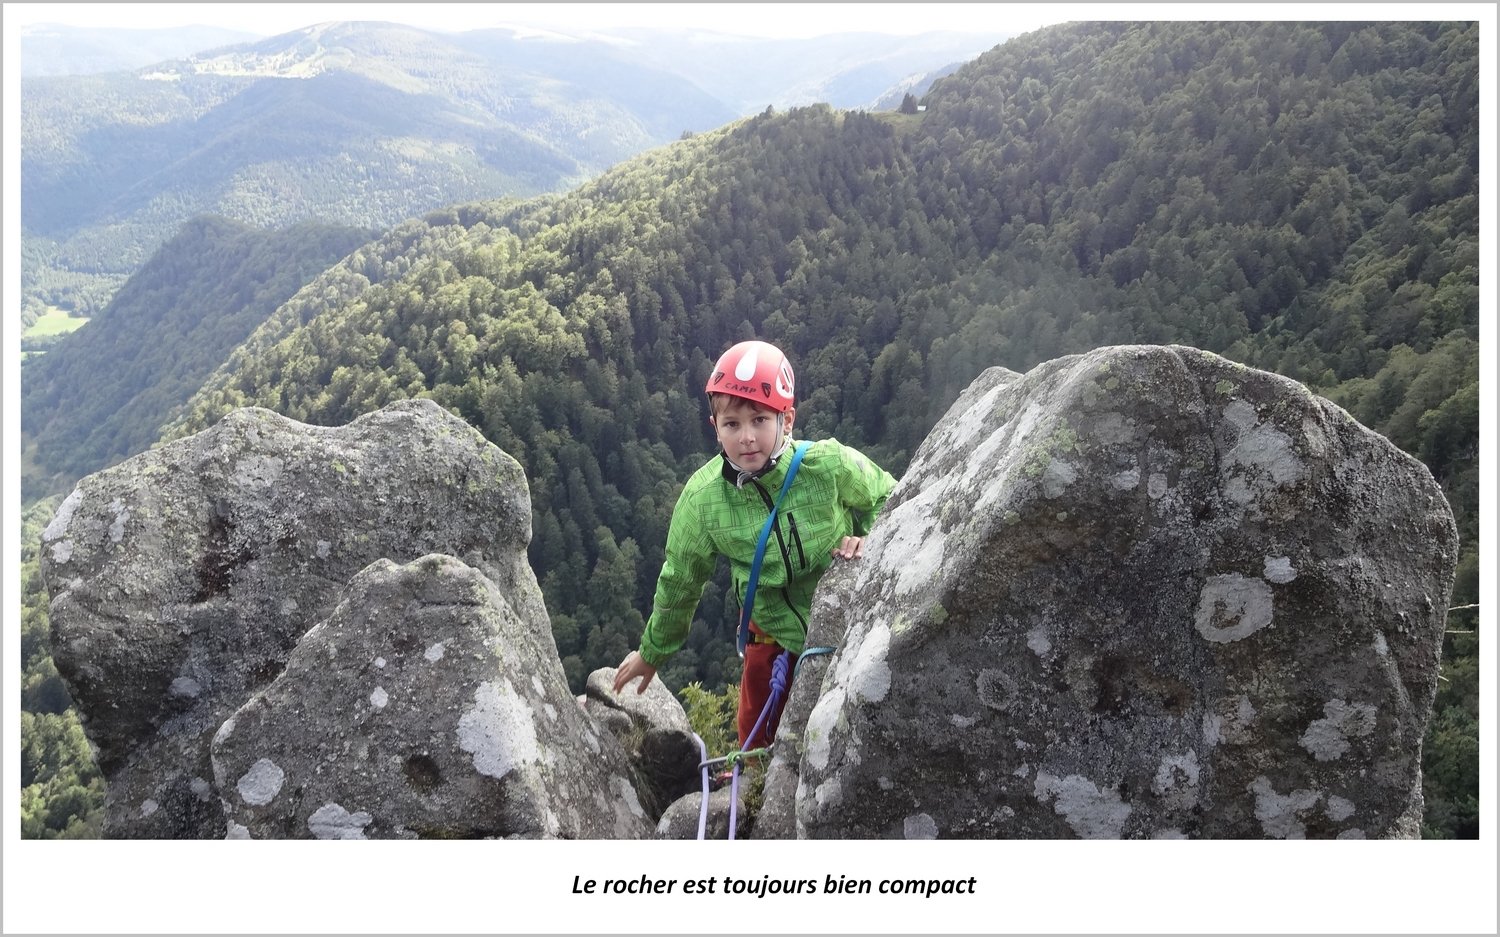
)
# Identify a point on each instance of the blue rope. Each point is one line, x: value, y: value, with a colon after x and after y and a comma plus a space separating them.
x: 743, y: 634
x: 810, y: 652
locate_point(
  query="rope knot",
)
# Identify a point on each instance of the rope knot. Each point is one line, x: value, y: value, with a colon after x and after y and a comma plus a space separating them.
x: 781, y: 674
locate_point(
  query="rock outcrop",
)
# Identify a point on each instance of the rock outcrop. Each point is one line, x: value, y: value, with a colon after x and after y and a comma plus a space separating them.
x: 1142, y: 592
x: 423, y: 707
x: 654, y: 730
x: 681, y: 820
x: 182, y: 578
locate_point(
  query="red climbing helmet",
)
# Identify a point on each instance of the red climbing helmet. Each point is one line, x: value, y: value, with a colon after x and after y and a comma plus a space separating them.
x: 756, y: 371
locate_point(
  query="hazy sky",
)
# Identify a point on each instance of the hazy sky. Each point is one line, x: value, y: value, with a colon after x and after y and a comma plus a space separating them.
x: 754, y: 19
x: 758, y: 19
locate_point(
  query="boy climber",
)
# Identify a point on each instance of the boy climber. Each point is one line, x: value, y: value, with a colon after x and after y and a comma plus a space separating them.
x: 825, y: 514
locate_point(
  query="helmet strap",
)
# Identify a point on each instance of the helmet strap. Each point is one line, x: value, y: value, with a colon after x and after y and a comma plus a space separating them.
x: 781, y: 439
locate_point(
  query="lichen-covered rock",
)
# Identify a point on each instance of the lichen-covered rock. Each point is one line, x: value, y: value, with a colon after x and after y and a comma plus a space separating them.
x: 656, y: 735
x: 423, y: 707
x: 1141, y: 592
x: 681, y: 819
x: 182, y: 578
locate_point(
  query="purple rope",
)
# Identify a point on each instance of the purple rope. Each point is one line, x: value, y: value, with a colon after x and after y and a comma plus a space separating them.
x: 734, y: 796
x: 703, y: 769
x: 781, y: 670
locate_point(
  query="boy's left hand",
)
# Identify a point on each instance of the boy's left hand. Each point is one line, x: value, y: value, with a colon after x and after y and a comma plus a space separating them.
x: 851, y: 549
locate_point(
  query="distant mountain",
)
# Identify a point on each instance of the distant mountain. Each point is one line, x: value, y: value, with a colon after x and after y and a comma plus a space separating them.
x: 352, y: 123
x: 53, y: 49
x: 846, y: 70
x: 367, y: 124
x: 915, y: 85
x: 102, y: 392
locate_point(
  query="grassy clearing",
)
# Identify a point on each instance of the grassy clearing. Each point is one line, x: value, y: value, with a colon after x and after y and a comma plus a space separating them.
x: 53, y: 322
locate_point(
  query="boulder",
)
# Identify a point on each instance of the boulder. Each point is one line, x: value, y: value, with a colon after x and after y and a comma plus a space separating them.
x: 680, y: 820
x: 656, y: 735
x: 1142, y: 592
x: 423, y: 707
x: 182, y: 578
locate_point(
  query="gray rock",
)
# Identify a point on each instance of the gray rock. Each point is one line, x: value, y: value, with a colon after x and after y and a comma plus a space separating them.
x: 680, y: 821
x: 182, y: 578
x: 777, y: 818
x: 1142, y: 592
x: 656, y: 735
x: 423, y: 707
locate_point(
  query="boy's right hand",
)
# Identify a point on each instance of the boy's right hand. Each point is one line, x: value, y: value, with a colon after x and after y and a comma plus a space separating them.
x: 634, y: 665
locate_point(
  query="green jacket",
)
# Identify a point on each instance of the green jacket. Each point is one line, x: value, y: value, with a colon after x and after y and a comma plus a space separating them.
x: 837, y: 493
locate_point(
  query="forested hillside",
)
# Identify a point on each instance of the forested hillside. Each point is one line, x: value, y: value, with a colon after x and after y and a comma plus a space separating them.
x: 1299, y: 197
x: 62, y: 791
x: 348, y: 123
x: 102, y: 393
x: 367, y: 123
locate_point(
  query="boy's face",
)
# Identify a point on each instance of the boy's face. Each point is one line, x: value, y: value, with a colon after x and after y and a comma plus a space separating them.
x: 748, y: 431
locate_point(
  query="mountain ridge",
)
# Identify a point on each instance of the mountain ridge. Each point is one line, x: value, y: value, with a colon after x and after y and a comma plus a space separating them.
x: 61, y: 49
x: 377, y: 122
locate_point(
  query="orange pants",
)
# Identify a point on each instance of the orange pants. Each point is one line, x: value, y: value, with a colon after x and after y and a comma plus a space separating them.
x: 755, y: 689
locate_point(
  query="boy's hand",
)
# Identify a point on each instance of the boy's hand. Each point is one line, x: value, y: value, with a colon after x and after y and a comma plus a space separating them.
x: 631, y: 667
x: 852, y: 548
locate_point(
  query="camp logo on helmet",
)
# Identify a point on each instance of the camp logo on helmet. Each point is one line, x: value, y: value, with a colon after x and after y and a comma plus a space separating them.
x: 747, y: 390
x: 757, y: 371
